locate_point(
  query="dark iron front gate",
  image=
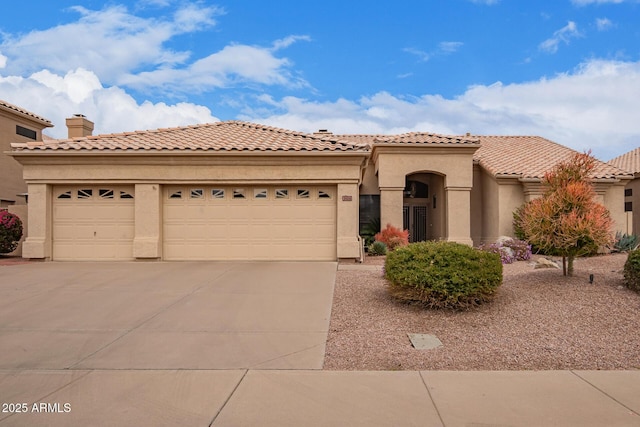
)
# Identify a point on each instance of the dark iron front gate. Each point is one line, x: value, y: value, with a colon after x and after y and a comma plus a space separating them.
x: 415, y: 220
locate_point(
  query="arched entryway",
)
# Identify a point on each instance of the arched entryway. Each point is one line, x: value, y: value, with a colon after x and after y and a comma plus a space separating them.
x: 423, y: 206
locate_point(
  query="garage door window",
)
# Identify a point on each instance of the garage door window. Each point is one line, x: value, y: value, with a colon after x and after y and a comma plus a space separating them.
x: 105, y: 194
x: 85, y: 194
x: 65, y: 195
x: 125, y: 195
x: 323, y: 194
x: 238, y: 193
x: 282, y: 193
x: 303, y: 194
x: 260, y: 193
x: 176, y: 195
x: 217, y: 193
x: 197, y: 193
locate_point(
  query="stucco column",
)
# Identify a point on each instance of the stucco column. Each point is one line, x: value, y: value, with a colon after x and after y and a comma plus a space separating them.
x: 391, y: 206
x: 459, y: 215
x: 38, y: 241
x: 348, y: 219
x: 148, y: 221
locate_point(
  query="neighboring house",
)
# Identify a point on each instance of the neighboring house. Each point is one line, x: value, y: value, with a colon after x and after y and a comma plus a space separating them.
x: 631, y: 162
x: 237, y: 190
x: 16, y: 125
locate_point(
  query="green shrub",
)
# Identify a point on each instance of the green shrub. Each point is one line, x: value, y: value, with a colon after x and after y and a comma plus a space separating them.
x: 625, y: 242
x: 377, y: 248
x: 10, y: 232
x: 632, y: 271
x: 443, y: 274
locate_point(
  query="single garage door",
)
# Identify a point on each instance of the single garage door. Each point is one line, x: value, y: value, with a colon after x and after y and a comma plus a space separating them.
x: 93, y: 223
x: 249, y: 223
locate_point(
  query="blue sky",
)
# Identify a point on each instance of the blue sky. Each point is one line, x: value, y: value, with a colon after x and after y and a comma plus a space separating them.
x: 568, y: 70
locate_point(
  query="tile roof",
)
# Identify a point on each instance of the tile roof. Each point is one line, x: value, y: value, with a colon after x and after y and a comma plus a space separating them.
x: 364, y: 140
x: 427, y: 138
x: 4, y: 105
x: 409, y: 138
x: 227, y: 136
x: 628, y: 161
x: 530, y: 157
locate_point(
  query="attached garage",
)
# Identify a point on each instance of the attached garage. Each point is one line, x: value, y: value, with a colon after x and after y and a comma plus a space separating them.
x: 219, y: 191
x: 93, y: 223
x: 249, y: 222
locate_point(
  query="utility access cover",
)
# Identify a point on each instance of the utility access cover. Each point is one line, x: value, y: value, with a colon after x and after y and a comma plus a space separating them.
x: 424, y: 341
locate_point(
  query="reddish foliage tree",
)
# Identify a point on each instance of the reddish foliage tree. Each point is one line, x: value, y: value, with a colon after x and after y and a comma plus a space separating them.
x: 393, y: 237
x: 567, y: 220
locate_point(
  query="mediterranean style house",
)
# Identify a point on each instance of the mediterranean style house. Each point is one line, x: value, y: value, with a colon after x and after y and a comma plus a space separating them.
x: 243, y: 191
x: 16, y: 125
x: 631, y: 162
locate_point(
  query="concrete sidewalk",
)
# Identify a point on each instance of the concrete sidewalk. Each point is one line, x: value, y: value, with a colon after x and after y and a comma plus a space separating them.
x: 241, y: 344
x: 320, y: 398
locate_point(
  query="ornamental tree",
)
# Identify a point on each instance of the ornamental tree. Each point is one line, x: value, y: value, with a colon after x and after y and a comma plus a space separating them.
x: 10, y: 232
x: 566, y: 220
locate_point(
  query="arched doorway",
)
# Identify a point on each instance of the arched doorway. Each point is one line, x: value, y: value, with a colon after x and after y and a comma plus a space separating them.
x: 423, y: 206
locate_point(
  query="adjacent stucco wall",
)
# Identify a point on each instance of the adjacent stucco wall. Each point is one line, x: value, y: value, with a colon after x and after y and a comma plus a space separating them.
x: 490, y: 208
x: 11, y: 182
x: 500, y: 197
x: 511, y: 198
x: 369, y: 181
x: 632, y: 219
x: 613, y: 199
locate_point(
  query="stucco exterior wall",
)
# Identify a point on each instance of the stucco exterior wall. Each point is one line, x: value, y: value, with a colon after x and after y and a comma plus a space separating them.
x: 613, y: 199
x: 369, y: 181
x: 511, y: 198
x: 632, y: 219
x: 490, y: 208
x: 11, y: 182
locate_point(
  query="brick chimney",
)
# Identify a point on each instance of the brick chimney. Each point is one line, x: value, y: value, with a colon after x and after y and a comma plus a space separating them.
x: 79, y: 126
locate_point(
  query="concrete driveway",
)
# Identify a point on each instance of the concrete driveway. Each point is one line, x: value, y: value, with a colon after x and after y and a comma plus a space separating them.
x: 165, y: 315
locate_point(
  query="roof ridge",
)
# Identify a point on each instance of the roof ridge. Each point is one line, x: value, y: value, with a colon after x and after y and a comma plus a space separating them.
x: 25, y: 112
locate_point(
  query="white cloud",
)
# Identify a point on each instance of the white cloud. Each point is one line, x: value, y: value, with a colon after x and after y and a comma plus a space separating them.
x: 288, y: 41
x: 234, y: 64
x: 564, y: 35
x: 444, y: 48
x: 127, y: 50
x: 592, y: 107
x: 57, y: 97
x: 3, y: 61
x: 422, y: 55
x: 603, y: 24
x: 108, y: 42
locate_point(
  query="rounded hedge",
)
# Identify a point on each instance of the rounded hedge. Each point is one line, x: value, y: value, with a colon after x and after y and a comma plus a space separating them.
x: 632, y: 271
x: 10, y: 232
x: 443, y: 274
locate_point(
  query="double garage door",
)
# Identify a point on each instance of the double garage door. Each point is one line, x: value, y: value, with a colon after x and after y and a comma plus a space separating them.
x: 199, y: 223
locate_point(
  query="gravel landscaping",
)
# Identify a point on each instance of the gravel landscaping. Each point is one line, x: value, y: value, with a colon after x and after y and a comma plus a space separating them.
x: 539, y: 320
